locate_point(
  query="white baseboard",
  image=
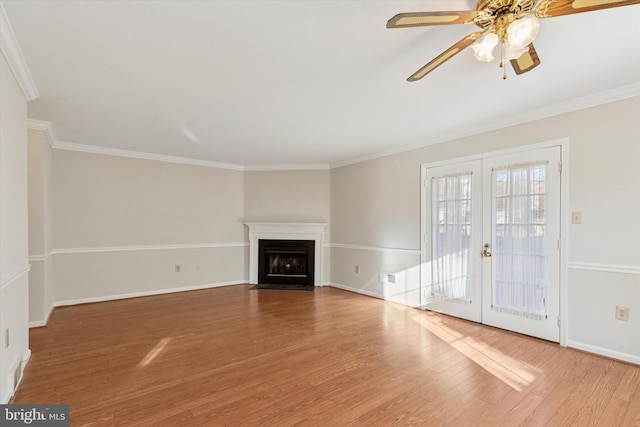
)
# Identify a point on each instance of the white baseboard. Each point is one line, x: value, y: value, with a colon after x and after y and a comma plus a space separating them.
x: 625, y: 357
x: 356, y: 290
x: 37, y: 324
x: 46, y: 319
x: 25, y: 359
x: 147, y: 293
x: 41, y: 323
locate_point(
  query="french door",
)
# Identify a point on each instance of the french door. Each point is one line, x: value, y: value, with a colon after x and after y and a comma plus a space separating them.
x: 492, y: 230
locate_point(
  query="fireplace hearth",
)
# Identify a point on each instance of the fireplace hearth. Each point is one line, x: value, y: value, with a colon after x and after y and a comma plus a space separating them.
x: 286, y: 264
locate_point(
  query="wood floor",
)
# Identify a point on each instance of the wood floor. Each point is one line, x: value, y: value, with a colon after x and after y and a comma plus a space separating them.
x: 235, y: 356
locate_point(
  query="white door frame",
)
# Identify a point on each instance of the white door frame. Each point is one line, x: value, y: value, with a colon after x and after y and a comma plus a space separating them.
x: 565, y: 217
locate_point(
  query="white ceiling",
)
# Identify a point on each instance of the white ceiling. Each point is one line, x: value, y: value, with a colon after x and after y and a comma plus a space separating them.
x: 297, y: 82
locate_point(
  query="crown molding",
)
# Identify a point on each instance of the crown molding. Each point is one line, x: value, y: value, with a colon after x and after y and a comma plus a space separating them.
x: 12, y: 52
x: 144, y: 156
x: 47, y: 128
x: 49, y: 131
x: 298, y: 167
x: 588, y: 101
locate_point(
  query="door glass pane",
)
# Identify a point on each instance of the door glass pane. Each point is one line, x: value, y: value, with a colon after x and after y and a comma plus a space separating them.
x: 451, y: 242
x: 520, y: 275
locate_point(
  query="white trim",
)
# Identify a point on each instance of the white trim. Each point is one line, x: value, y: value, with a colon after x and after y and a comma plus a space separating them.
x: 374, y: 248
x: 54, y: 142
x: 609, y: 268
x: 37, y: 324
x: 425, y: 230
x: 38, y: 258
x: 355, y: 290
x: 41, y: 323
x: 12, y: 52
x: 626, y: 357
x: 47, y: 128
x: 559, y: 142
x: 147, y: 293
x: 298, y: 167
x: 563, y: 143
x: 43, y: 126
x: 588, y: 101
x: 25, y: 358
x: 51, y: 307
x: 144, y: 156
x: 63, y: 251
x: 565, y: 218
x: 10, y: 278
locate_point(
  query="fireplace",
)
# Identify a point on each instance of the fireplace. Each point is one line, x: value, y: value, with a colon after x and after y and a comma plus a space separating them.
x: 286, y: 263
x: 298, y: 231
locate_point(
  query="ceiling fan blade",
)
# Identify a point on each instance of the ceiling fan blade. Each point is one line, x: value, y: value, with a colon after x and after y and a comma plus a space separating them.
x: 527, y: 62
x: 419, y: 19
x: 551, y: 8
x: 446, y: 55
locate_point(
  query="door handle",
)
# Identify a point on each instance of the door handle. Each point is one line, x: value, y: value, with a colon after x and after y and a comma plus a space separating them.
x: 486, y: 251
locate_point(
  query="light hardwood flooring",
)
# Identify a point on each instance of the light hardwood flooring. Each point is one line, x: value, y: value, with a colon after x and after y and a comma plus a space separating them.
x: 236, y: 356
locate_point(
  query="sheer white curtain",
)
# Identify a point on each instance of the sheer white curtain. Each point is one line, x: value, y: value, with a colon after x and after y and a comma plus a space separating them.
x: 520, y: 275
x: 451, y: 242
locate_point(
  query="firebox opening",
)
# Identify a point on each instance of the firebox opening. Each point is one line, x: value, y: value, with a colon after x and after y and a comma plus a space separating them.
x: 286, y: 262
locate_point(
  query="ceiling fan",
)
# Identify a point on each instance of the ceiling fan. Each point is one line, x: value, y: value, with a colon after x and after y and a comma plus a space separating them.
x: 511, y: 23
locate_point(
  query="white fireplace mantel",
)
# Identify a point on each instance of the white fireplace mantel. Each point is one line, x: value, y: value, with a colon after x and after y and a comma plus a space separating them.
x: 286, y: 231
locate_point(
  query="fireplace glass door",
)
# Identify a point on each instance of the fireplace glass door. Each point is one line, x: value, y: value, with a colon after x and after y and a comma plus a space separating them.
x: 286, y: 262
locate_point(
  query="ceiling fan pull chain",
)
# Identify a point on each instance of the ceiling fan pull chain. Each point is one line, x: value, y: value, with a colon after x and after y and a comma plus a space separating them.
x: 502, y: 64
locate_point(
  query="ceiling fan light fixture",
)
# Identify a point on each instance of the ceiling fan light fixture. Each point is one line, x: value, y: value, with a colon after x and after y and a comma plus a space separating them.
x: 483, y: 50
x: 522, y: 32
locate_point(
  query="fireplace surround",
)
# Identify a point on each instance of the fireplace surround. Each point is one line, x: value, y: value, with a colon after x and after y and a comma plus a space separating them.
x: 313, y: 232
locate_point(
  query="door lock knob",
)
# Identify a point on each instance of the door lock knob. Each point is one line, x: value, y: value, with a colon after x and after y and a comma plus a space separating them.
x: 486, y: 250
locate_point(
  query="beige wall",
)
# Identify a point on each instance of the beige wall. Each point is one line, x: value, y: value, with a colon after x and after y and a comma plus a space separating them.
x: 40, y: 228
x: 121, y: 225
x: 291, y: 196
x: 14, y: 263
x: 104, y: 201
x: 376, y: 204
x: 287, y: 196
x: 97, y: 276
